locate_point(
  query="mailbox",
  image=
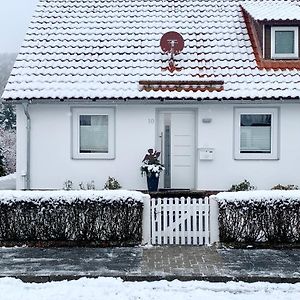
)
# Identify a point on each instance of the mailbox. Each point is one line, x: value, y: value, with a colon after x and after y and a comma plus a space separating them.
x: 206, y: 153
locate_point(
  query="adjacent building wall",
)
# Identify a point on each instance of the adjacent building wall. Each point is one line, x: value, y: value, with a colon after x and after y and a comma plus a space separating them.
x: 21, y: 153
x: 52, y: 164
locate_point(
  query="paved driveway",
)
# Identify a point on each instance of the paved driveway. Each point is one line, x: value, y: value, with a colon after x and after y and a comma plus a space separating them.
x: 138, y: 263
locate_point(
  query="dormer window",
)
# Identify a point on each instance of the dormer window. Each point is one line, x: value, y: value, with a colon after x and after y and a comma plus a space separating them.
x: 284, y: 42
x: 273, y: 29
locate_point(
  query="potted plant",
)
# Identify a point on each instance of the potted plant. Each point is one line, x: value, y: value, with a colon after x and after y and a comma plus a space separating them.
x: 151, y: 168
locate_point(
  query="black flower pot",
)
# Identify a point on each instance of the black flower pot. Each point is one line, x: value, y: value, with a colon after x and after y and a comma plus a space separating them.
x: 152, y: 182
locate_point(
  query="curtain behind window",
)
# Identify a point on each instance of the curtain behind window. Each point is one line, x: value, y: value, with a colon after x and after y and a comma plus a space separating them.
x: 93, y: 134
x: 255, y: 133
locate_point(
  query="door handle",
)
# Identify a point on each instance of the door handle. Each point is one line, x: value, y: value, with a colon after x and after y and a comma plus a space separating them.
x: 161, y: 147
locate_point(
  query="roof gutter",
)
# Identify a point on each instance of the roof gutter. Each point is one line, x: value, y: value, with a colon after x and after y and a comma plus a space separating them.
x: 28, y: 144
x: 161, y: 100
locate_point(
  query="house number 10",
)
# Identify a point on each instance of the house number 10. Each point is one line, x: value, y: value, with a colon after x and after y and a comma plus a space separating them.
x: 151, y: 121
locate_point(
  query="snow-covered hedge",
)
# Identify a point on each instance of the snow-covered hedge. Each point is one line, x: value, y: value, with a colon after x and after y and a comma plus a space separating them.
x: 99, y: 217
x: 259, y: 216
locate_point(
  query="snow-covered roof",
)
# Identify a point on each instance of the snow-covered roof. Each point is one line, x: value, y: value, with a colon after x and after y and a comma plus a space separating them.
x: 96, y: 49
x: 272, y: 10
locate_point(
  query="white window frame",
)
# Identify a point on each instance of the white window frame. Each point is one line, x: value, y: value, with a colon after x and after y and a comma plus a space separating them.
x: 76, y: 113
x: 274, y: 154
x: 294, y: 55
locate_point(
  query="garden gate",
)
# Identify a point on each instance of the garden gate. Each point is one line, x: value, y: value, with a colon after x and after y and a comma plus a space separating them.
x: 180, y: 221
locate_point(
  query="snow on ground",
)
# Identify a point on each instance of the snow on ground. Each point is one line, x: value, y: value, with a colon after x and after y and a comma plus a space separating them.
x: 8, y: 182
x: 116, y: 289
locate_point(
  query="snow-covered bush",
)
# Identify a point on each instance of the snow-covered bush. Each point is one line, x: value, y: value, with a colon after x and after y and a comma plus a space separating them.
x: 285, y: 187
x: 259, y: 216
x: 242, y: 186
x: 7, y: 117
x: 112, y: 184
x: 68, y: 185
x: 88, y: 186
x: 2, y: 169
x: 8, y: 145
x: 99, y: 217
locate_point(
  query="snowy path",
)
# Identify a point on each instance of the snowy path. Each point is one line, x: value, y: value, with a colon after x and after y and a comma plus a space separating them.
x: 113, y: 289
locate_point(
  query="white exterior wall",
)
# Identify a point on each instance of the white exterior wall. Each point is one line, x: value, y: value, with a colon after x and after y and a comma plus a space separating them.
x: 52, y: 165
x: 51, y: 162
x: 224, y: 170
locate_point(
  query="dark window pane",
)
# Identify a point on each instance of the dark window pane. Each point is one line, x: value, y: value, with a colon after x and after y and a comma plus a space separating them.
x: 85, y: 120
x: 256, y: 120
x: 284, y: 42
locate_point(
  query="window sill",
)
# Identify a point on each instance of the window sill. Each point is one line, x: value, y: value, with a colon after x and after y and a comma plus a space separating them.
x: 256, y: 157
x: 285, y: 58
x: 89, y: 156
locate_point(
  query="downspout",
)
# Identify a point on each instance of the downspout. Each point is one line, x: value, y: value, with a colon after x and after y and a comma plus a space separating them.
x: 28, y: 134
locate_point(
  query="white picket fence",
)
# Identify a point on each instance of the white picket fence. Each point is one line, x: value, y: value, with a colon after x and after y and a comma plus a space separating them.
x: 180, y: 221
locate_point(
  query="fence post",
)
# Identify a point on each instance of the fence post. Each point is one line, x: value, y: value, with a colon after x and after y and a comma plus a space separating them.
x: 146, y: 221
x: 214, y: 222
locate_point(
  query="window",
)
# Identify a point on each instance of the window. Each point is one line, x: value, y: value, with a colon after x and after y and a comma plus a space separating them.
x: 93, y: 133
x: 256, y: 133
x: 284, y: 42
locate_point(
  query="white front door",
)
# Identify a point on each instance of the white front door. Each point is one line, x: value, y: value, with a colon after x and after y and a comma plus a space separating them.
x: 176, y: 132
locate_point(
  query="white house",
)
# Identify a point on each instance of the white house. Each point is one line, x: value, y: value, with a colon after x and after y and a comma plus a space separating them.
x: 94, y: 90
